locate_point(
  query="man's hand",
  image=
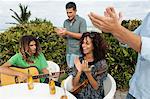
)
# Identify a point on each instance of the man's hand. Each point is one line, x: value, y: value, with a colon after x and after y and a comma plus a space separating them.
x: 120, y: 16
x: 61, y: 31
x: 108, y: 23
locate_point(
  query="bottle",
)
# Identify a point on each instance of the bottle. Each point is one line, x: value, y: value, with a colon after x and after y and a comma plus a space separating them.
x: 52, y: 87
x: 30, y: 83
x: 63, y: 97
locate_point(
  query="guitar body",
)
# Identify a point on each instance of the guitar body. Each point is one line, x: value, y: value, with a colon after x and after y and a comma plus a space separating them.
x: 77, y: 89
x: 7, y: 79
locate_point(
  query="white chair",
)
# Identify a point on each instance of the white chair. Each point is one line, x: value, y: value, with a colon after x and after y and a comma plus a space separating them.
x: 53, y: 67
x: 109, y: 87
x: 67, y: 83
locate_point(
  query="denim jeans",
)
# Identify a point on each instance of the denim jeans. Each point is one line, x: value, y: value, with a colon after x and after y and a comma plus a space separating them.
x: 129, y: 96
x: 70, y: 59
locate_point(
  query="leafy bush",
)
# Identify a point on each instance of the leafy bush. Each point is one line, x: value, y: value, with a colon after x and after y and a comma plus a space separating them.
x: 53, y: 46
x: 121, y: 61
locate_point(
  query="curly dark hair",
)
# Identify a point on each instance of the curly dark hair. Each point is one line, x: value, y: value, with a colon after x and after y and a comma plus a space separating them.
x: 99, y: 45
x: 24, y: 47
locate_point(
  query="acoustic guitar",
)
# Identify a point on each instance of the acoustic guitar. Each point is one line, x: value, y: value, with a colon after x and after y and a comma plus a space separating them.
x: 32, y: 70
x: 77, y: 89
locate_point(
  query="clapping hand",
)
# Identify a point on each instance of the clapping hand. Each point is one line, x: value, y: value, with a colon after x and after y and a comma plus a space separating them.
x: 120, y: 16
x: 107, y: 23
x: 78, y: 64
x: 61, y: 31
x: 85, y: 66
x: 81, y: 67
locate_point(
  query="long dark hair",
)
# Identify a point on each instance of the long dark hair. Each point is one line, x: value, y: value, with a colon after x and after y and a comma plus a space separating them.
x: 98, y: 43
x: 24, y: 47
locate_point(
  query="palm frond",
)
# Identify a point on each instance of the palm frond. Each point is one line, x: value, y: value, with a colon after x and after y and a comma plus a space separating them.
x: 19, y: 21
x: 24, y: 15
x: 17, y: 16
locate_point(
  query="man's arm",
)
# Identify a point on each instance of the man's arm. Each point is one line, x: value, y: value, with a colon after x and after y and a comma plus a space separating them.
x: 73, y: 34
x: 111, y: 24
x: 129, y: 38
x: 82, y: 29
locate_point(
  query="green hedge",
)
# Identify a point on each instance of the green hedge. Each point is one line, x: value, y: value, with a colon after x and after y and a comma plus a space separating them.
x: 121, y: 61
x: 53, y: 46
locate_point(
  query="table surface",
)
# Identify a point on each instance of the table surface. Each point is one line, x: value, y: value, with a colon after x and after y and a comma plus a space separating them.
x: 40, y: 91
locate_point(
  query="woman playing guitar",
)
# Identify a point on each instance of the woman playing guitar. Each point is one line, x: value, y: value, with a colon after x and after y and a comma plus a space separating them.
x: 30, y: 54
x: 91, y: 67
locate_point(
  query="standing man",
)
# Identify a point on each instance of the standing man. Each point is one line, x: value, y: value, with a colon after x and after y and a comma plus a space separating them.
x: 74, y: 26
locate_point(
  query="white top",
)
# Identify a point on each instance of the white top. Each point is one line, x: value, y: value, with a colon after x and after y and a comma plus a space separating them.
x: 40, y: 91
x: 140, y: 81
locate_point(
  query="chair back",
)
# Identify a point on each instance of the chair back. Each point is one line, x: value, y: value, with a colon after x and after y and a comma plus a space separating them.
x: 67, y: 83
x: 53, y: 67
x: 109, y: 87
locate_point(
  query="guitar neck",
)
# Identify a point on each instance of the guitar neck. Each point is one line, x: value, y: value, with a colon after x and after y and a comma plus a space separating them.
x: 40, y: 76
x: 53, y: 75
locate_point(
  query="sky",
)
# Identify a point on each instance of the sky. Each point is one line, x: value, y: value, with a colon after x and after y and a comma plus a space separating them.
x: 54, y: 10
